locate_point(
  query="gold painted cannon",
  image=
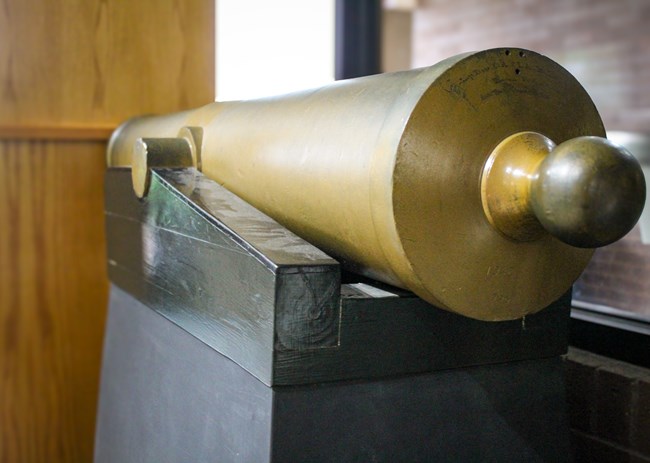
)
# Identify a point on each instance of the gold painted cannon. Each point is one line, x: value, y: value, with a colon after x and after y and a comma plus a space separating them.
x: 480, y: 183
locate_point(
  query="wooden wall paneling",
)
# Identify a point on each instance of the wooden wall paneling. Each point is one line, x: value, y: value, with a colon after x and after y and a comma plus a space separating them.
x: 69, y: 73
x: 83, y: 62
x: 52, y: 287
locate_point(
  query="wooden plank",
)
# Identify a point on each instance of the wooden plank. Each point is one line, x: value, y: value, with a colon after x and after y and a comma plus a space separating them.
x: 53, y: 292
x: 384, y: 336
x: 269, y: 301
x: 219, y: 268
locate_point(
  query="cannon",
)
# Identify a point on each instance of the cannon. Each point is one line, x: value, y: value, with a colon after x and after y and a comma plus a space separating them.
x: 482, y: 183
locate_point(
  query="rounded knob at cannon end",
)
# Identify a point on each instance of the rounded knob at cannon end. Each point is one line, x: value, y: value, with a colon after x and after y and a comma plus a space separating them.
x: 588, y: 192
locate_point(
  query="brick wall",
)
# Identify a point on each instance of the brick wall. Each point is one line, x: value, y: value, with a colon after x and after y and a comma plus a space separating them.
x: 609, y: 409
x: 603, y: 43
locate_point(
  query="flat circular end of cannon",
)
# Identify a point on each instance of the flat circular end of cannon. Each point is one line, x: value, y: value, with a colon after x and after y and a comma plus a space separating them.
x: 459, y: 260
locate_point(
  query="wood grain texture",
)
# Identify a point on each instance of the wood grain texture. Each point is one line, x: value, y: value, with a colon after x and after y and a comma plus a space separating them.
x: 53, y: 292
x: 220, y: 269
x: 70, y: 72
x: 103, y: 61
x: 44, y: 132
x: 257, y: 294
x: 603, y: 43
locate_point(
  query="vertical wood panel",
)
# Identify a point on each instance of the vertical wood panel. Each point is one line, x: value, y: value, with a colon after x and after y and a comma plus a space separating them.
x: 52, y: 287
x: 72, y: 70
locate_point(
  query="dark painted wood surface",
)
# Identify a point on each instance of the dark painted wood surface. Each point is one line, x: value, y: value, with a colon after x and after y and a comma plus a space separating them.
x: 213, y: 264
x: 513, y: 412
x: 272, y: 303
x: 167, y: 397
x: 384, y: 336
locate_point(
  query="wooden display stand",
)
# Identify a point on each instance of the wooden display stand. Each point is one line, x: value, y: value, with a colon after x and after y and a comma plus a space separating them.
x: 231, y: 339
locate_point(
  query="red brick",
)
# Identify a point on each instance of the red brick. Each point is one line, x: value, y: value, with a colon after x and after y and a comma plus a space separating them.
x: 641, y: 417
x: 614, y: 394
x: 581, y: 393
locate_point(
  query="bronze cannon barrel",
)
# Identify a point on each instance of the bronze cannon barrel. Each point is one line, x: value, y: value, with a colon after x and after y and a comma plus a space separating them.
x: 477, y: 183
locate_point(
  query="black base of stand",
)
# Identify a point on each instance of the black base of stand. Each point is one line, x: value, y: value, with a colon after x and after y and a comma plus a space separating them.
x: 167, y: 397
x: 230, y: 339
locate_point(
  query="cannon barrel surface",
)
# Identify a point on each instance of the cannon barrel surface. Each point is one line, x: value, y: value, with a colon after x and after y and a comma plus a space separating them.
x: 478, y: 183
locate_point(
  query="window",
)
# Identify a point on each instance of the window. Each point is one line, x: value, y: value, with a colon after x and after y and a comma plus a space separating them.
x: 272, y: 47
